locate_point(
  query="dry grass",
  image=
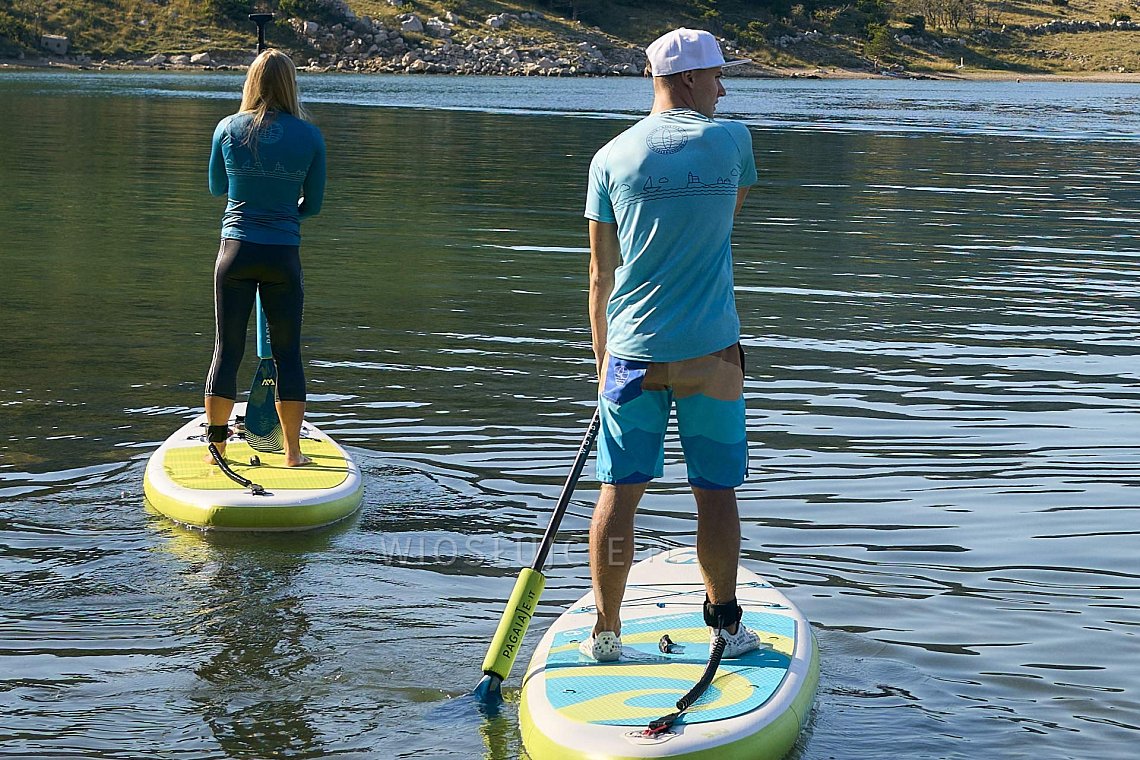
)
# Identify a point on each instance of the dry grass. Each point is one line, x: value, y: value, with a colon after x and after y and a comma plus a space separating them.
x: 1061, y: 53
x: 1032, y: 13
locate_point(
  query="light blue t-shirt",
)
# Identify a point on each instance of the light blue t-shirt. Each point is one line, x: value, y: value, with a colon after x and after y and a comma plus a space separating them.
x: 669, y: 183
x: 264, y: 185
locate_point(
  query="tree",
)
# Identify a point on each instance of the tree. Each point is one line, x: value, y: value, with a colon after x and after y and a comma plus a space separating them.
x: 879, y: 43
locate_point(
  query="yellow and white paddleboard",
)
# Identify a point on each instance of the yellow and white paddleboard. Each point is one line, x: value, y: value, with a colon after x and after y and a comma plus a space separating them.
x: 182, y: 485
x: 574, y: 707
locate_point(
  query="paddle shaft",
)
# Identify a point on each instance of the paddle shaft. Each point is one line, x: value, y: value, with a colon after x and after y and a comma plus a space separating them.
x: 528, y: 588
x: 567, y: 491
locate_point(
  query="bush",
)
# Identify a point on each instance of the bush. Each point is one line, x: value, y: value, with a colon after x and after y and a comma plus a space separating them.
x: 879, y: 44
x: 1121, y: 17
x: 754, y: 35
x: 916, y: 24
x: 857, y: 18
x: 309, y: 10
x: 876, y: 11
x: 15, y: 35
x: 228, y: 10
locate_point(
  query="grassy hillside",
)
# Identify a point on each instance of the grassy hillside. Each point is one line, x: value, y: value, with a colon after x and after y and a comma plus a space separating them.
x: 922, y: 35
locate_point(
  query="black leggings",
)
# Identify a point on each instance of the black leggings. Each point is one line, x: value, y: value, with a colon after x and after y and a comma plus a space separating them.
x: 242, y: 268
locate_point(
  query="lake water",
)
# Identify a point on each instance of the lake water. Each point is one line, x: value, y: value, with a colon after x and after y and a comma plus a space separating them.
x: 938, y: 286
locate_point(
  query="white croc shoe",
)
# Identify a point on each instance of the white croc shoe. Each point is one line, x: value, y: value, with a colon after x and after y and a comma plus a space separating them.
x: 603, y: 647
x: 737, y: 644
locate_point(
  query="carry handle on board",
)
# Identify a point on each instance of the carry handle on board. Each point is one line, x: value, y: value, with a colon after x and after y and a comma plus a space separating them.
x: 528, y: 588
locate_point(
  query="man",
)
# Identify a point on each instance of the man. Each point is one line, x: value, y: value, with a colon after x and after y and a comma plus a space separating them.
x: 661, y: 201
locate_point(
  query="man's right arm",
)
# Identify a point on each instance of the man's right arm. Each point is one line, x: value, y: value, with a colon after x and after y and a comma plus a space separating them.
x: 605, y: 255
x: 741, y: 194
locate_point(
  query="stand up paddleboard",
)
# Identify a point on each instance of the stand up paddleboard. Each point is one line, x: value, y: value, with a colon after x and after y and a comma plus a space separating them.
x: 574, y: 707
x: 182, y: 485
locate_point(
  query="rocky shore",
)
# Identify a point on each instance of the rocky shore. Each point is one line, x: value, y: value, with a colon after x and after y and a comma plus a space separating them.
x: 530, y: 44
x: 506, y: 44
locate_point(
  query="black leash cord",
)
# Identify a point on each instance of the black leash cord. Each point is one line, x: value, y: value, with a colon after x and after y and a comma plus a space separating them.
x: 662, y: 724
x: 254, y: 488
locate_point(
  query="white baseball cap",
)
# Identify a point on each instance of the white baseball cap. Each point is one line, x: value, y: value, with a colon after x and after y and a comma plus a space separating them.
x: 685, y: 50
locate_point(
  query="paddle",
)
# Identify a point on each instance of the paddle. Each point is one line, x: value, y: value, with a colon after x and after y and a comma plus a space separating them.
x: 261, y: 19
x: 528, y: 588
x: 262, y: 427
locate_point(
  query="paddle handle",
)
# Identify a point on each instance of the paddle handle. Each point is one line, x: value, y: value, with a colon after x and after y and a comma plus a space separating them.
x: 264, y: 347
x: 261, y: 19
x: 567, y: 491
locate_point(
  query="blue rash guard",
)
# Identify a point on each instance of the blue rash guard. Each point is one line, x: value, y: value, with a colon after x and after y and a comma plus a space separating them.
x: 272, y: 183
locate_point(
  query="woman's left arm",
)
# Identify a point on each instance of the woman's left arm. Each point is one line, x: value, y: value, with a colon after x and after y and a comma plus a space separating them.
x: 313, y: 191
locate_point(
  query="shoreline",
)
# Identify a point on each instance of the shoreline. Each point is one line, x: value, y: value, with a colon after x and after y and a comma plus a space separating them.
x: 751, y: 72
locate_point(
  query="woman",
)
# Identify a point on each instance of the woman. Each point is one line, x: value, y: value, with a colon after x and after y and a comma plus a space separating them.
x: 270, y: 162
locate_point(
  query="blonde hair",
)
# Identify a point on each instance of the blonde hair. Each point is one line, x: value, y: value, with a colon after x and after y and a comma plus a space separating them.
x: 270, y: 85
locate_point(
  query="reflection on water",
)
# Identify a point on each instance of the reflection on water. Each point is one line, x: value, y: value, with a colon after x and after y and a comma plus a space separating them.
x: 1057, y: 110
x: 249, y: 612
x: 939, y: 314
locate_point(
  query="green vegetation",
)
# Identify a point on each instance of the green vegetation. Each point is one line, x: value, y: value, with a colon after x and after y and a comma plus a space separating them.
x: 920, y: 35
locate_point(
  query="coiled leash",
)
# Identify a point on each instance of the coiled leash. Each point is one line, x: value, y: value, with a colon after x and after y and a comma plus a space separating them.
x: 217, y: 434
x: 718, y: 617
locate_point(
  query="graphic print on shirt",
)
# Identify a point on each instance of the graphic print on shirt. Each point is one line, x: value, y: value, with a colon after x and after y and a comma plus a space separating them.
x: 270, y: 133
x: 267, y: 134
x: 662, y: 187
x: 666, y: 139
x: 253, y: 168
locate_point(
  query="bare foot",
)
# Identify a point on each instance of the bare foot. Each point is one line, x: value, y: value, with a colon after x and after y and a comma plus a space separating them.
x: 300, y: 460
x: 210, y: 457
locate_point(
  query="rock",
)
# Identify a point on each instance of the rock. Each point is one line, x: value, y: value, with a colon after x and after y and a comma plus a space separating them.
x: 451, y: 17
x: 310, y: 28
x: 155, y: 60
x: 437, y: 28
x: 496, y: 22
x: 201, y: 59
x: 411, y: 23
x: 180, y: 60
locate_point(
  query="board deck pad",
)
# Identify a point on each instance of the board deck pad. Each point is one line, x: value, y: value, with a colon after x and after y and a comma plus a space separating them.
x: 574, y: 708
x: 187, y: 467
x: 646, y: 683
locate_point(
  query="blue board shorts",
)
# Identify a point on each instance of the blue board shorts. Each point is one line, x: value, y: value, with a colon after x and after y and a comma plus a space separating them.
x: 635, y: 401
